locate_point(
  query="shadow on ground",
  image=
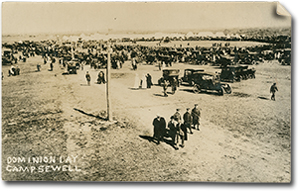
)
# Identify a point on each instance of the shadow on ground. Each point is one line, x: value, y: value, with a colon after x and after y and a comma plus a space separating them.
x: 202, y: 92
x: 91, y: 115
x: 264, y: 98
x: 151, y: 139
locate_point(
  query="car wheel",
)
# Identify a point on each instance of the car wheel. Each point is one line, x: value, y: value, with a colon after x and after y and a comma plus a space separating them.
x: 227, y: 89
x: 221, y: 91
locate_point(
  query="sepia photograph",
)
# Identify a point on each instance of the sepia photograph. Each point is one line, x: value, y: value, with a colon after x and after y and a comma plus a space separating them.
x: 146, y: 92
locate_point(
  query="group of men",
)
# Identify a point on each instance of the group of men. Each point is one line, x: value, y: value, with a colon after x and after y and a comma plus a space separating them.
x: 177, y: 129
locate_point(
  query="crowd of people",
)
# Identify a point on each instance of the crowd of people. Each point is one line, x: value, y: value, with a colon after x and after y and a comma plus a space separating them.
x: 177, y: 128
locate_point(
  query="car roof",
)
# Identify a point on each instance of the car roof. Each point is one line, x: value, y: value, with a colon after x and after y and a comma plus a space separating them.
x: 206, y: 73
x: 171, y: 69
x: 196, y: 70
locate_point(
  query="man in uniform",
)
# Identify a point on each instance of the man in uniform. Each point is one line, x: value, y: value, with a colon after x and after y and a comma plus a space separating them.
x: 196, y: 117
x: 187, y: 117
x: 177, y: 116
x: 88, y: 77
x: 273, y: 89
x: 173, y: 132
x: 159, y: 124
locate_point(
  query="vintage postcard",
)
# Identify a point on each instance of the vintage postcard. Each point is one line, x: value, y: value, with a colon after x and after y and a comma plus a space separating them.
x: 149, y: 91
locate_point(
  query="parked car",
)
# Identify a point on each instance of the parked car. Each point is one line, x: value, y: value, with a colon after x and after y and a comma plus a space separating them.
x: 188, y: 75
x: 233, y: 73
x: 210, y: 81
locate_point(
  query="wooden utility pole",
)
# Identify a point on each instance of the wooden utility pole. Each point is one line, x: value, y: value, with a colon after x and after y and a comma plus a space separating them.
x: 109, y: 110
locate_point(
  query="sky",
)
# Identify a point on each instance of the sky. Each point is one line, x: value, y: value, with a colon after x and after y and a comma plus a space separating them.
x: 33, y: 18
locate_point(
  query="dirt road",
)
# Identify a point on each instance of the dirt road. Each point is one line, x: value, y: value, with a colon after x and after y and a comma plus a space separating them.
x: 244, y: 136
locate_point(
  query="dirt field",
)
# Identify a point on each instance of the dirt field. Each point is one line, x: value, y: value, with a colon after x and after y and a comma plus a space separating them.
x: 244, y: 137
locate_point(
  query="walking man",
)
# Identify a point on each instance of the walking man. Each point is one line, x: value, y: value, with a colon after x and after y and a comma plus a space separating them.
x: 159, y: 124
x: 173, y: 132
x: 177, y: 116
x: 273, y: 89
x: 187, y: 117
x: 165, y: 87
x: 88, y: 78
x: 196, y: 117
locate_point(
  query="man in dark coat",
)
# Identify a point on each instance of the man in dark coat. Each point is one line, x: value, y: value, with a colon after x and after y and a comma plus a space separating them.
x: 88, y: 77
x: 149, y: 80
x: 177, y: 116
x: 187, y: 117
x: 273, y: 89
x: 173, y: 132
x: 196, y: 117
x: 159, y: 124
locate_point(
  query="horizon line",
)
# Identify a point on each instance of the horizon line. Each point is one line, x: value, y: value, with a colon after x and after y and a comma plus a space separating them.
x: 141, y: 31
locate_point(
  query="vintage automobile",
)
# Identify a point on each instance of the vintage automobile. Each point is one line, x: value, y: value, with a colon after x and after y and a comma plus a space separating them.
x: 210, y: 81
x: 169, y: 74
x: 232, y: 73
x: 188, y: 75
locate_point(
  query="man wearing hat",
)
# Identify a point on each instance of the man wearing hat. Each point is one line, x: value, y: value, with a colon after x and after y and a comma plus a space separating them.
x: 159, y: 124
x: 88, y: 77
x: 187, y: 117
x: 177, y: 116
x: 196, y: 117
x: 173, y: 132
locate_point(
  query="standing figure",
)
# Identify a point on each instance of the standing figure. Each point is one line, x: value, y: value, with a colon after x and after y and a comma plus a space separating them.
x: 88, y: 78
x: 273, y: 89
x: 163, y: 64
x: 196, y: 117
x: 165, y: 87
x: 173, y: 132
x: 51, y: 66
x: 159, y: 124
x: 38, y: 67
x: 144, y: 82
x: 100, y: 78
x: 159, y: 65
x: 177, y: 116
x: 174, y: 85
x: 182, y: 133
x: 17, y: 70
x: 149, y: 80
x: 187, y: 117
x: 133, y: 63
